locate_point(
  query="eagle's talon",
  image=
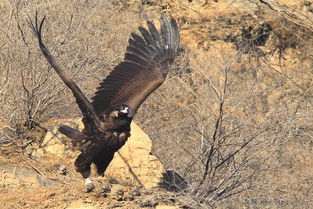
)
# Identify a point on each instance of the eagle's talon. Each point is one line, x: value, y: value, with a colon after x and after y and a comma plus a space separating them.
x: 89, y: 185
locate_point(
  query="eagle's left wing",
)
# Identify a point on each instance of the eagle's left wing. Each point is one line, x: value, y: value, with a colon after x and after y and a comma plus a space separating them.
x: 145, y: 66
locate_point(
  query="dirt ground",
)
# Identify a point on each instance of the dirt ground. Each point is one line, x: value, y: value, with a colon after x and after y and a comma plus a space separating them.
x: 52, y: 183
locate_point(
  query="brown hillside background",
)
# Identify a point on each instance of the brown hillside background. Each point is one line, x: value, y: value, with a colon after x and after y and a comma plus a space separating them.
x: 234, y: 117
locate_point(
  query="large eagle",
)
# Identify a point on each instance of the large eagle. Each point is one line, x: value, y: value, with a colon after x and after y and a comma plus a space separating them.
x: 108, y: 116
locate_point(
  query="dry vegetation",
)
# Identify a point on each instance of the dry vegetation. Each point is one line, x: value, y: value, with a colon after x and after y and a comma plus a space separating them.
x: 234, y: 117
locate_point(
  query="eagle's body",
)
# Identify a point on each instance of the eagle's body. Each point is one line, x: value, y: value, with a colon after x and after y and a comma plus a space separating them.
x: 99, y: 150
x: 107, y: 118
x: 99, y: 147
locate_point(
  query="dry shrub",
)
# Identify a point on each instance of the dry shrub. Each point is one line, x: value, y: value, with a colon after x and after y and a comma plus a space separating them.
x: 86, y: 41
x: 227, y: 122
x: 204, y: 128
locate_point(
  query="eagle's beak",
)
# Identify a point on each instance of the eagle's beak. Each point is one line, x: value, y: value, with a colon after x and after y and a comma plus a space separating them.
x: 126, y: 110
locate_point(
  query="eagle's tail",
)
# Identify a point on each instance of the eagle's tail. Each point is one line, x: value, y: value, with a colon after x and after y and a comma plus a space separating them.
x: 71, y: 133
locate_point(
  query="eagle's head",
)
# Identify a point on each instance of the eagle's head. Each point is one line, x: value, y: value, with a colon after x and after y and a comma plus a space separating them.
x: 121, y: 111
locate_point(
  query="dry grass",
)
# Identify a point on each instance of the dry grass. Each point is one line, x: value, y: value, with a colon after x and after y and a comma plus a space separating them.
x: 87, y: 44
x: 234, y: 123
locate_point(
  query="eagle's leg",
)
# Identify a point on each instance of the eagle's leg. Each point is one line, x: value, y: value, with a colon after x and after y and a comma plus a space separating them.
x: 104, y: 158
x: 82, y: 165
x: 102, y: 161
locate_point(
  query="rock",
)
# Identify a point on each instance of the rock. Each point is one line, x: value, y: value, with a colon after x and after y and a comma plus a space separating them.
x: 106, y: 188
x: 132, y: 164
x: 90, y: 187
x: 120, y: 198
x: 63, y: 170
x: 307, y: 3
x: 15, y: 176
x: 136, y: 193
x: 130, y: 197
x: 120, y: 192
x: 54, y: 142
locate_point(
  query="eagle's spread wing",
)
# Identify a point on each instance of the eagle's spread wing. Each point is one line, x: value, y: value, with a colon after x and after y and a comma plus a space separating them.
x: 143, y: 70
x: 90, y: 117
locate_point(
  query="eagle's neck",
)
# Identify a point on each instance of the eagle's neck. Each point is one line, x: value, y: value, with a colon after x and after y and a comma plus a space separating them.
x: 122, y: 124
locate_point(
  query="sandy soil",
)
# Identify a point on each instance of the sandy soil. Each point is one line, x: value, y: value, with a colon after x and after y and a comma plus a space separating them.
x: 51, y: 183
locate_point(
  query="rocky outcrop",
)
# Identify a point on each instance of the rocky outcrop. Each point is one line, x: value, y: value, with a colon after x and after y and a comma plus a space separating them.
x: 133, y: 163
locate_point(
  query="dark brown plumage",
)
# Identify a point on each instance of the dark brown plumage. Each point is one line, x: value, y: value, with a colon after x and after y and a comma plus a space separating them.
x: 107, y: 118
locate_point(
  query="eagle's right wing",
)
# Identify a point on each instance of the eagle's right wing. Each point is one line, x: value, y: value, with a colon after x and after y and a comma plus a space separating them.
x: 85, y: 106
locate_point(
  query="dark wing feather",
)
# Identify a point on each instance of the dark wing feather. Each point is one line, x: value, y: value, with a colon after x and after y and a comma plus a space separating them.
x: 85, y: 106
x: 147, y: 36
x: 155, y: 34
x: 145, y: 66
x: 170, y: 36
